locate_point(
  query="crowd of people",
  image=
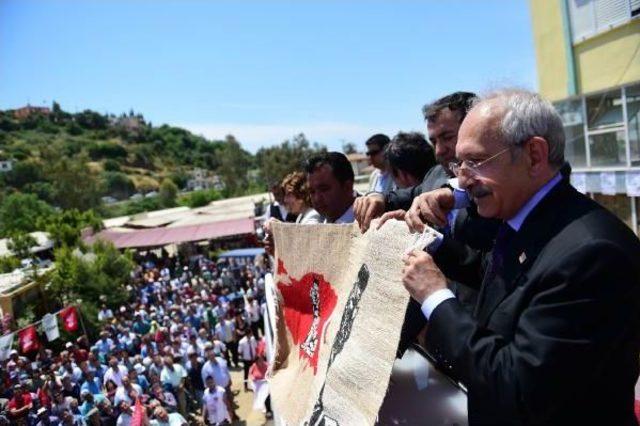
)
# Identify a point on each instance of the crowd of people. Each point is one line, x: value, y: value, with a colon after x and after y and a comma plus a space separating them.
x: 167, y: 354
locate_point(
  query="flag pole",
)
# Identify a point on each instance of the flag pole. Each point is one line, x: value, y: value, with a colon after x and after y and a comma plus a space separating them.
x: 84, y: 330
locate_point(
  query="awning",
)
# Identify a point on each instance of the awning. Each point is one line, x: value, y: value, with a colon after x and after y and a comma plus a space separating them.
x: 158, y: 237
x: 244, y: 252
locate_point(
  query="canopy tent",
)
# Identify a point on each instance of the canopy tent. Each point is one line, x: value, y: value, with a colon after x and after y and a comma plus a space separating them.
x: 157, y: 237
x: 243, y: 252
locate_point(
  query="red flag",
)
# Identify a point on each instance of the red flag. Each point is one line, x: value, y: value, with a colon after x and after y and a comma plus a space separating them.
x: 28, y: 339
x: 69, y: 318
x: 139, y: 416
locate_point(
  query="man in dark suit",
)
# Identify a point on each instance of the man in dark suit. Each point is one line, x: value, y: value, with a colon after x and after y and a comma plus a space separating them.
x: 554, y: 338
x: 443, y: 118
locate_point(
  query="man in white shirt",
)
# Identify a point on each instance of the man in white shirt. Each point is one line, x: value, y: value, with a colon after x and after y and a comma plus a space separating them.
x: 252, y: 310
x: 216, y: 407
x: 216, y: 367
x: 225, y: 332
x: 127, y: 392
x: 124, y: 419
x: 330, y: 179
x: 105, y: 313
x: 115, y: 372
x: 175, y: 375
x: 247, y: 348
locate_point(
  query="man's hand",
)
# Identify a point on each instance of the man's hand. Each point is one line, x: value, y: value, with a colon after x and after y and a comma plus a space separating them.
x: 367, y: 208
x: 430, y: 207
x: 420, y: 275
x: 395, y: 214
x: 268, y: 236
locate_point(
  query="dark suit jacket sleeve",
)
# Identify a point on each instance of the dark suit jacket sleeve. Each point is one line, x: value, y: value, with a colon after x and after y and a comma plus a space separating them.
x: 401, y: 198
x: 578, y: 313
x: 459, y: 262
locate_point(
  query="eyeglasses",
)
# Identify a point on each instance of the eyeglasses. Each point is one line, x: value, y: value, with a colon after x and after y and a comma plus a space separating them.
x: 473, y: 167
x: 374, y: 152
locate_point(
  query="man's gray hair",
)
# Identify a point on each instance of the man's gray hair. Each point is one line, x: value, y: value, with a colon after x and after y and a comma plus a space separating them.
x: 527, y: 114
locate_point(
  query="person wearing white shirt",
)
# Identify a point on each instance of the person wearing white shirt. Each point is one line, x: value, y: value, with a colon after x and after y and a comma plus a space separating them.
x: 225, y: 332
x: 216, y: 367
x: 115, y: 372
x: 127, y: 392
x: 174, y: 375
x: 105, y: 313
x: 247, y: 348
x: 330, y: 178
x: 216, y: 407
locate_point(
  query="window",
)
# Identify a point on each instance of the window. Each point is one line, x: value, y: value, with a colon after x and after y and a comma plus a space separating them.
x: 608, y: 149
x: 605, y: 110
x: 620, y: 205
x: 633, y: 121
x: 589, y: 17
x: 573, y: 120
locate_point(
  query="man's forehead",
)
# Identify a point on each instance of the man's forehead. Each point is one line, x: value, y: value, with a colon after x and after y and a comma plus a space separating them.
x: 444, y: 121
x: 321, y: 173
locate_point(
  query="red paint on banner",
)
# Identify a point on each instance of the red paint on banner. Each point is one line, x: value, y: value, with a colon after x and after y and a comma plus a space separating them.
x: 281, y: 268
x: 299, y: 312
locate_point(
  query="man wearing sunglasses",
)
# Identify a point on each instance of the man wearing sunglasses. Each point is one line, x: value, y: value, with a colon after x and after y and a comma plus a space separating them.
x: 381, y: 180
x: 555, y: 335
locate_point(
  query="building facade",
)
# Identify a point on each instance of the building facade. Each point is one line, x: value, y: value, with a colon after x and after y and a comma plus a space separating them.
x: 588, y: 60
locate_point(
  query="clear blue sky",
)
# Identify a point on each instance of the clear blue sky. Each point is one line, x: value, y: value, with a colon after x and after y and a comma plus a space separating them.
x: 262, y: 70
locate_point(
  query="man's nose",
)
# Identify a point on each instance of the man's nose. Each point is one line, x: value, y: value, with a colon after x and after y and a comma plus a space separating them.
x: 465, y: 180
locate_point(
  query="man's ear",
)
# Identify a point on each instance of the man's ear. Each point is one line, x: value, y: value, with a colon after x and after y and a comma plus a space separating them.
x: 538, y: 155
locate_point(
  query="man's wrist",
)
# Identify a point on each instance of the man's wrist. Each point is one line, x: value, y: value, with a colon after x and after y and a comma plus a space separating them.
x: 432, y: 301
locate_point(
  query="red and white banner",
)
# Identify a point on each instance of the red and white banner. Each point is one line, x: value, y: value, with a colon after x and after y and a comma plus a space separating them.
x: 28, y: 339
x: 69, y: 318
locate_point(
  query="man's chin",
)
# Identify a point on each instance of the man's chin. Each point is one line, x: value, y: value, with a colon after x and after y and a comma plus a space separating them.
x: 483, y: 204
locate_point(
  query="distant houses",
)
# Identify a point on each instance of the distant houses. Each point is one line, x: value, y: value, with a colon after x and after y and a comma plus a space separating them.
x: 202, y: 179
x: 6, y: 166
x: 28, y: 110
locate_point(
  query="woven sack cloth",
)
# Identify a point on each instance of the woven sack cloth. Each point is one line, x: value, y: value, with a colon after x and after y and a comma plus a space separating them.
x: 341, y: 308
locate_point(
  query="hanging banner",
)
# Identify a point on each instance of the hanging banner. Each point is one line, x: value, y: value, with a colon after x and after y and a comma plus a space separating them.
x: 69, y: 318
x: 579, y: 182
x: 50, y: 326
x: 632, y: 182
x: 28, y: 339
x: 6, y: 342
x: 608, y: 183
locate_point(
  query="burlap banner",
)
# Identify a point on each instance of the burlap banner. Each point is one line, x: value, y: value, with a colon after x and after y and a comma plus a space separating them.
x: 341, y: 309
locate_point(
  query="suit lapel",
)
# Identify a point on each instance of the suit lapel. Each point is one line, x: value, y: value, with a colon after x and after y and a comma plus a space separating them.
x: 537, y: 230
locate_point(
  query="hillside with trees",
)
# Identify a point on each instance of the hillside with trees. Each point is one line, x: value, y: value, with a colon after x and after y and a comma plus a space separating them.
x: 73, y: 162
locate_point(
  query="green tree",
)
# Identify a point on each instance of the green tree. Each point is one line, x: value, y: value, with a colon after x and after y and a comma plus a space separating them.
x: 349, y: 148
x: 118, y: 185
x: 20, y: 244
x: 111, y: 165
x: 21, y: 212
x: 277, y: 161
x: 201, y: 198
x: 9, y: 264
x: 74, y: 185
x: 65, y: 228
x: 82, y: 275
x: 168, y: 192
x: 234, y: 166
x: 23, y: 173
